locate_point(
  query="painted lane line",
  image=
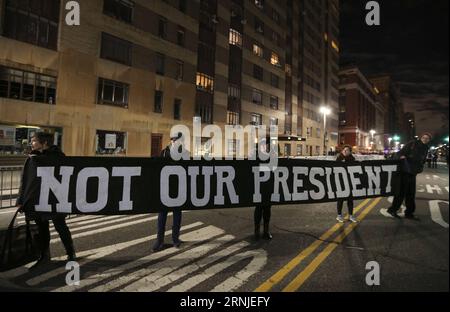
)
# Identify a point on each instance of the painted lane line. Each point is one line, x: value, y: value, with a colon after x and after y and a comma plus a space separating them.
x: 436, y: 214
x: 285, y: 270
x: 301, y: 278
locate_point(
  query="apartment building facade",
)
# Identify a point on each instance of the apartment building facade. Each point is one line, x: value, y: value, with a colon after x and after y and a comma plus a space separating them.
x: 361, y: 115
x: 118, y: 82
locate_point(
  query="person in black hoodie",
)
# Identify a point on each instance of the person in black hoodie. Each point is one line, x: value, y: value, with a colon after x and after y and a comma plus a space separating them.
x: 345, y: 156
x: 42, y: 146
x: 413, y: 157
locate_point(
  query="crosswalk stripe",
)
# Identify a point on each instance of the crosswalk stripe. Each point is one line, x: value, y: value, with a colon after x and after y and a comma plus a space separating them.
x: 105, y: 229
x: 146, y: 275
x: 186, y: 256
x: 258, y: 262
x: 209, y: 272
x: 88, y: 256
x: 160, y: 279
x: 103, y: 223
x: 189, y: 237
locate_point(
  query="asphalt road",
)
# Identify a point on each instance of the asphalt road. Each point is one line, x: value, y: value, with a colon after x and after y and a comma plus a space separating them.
x: 309, y: 250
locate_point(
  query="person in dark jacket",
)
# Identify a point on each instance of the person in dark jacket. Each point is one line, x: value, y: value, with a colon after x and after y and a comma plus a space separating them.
x: 413, y: 156
x: 263, y: 211
x: 345, y: 156
x: 42, y: 146
x: 177, y: 213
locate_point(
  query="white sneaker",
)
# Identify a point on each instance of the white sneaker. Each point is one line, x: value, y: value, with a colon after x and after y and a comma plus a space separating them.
x: 340, y: 219
x: 353, y: 219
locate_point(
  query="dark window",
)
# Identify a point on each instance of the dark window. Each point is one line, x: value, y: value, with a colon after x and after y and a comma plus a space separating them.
x: 158, y: 101
x: 120, y: 9
x: 34, y: 22
x: 180, y: 36
x: 160, y: 63
x: 274, y: 81
x: 180, y: 70
x: 259, y: 26
x: 257, y: 96
x: 116, y: 49
x: 258, y: 72
x: 112, y: 93
x: 162, y: 27
x: 182, y: 5
x: 177, y: 109
x: 274, y: 102
x: 21, y: 85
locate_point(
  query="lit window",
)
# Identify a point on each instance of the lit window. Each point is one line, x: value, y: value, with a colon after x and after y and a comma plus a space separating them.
x: 232, y: 118
x: 235, y: 38
x: 274, y: 59
x: 205, y: 83
x: 257, y: 50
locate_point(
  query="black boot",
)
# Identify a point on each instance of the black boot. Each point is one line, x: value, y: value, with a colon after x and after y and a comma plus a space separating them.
x: 267, y: 234
x: 257, y: 231
x: 71, y: 256
x: 43, y: 259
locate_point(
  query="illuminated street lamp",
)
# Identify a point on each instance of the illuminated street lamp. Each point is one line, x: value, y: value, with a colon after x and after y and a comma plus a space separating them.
x: 325, y: 111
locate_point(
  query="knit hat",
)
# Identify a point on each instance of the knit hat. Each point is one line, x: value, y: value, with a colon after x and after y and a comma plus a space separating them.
x: 428, y: 134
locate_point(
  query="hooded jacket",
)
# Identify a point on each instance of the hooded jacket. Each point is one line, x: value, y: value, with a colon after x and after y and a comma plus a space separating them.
x: 416, y: 155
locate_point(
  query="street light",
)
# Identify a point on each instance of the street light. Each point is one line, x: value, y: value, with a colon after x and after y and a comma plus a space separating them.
x: 325, y: 111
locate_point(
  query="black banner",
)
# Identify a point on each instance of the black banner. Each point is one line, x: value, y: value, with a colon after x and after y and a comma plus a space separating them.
x: 109, y: 186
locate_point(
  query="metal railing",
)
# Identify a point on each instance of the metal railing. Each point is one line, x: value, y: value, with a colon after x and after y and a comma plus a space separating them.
x: 10, y: 177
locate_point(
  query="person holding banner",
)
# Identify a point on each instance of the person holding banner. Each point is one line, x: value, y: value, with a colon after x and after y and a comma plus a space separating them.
x: 42, y: 146
x: 177, y: 214
x: 413, y: 157
x: 262, y: 212
x: 347, y: 157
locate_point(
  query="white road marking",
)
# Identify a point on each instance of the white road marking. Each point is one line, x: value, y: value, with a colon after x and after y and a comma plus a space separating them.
x: 144, y: 278
x: 103, y: 223
x: 436, y: 215
x: 105, y: 229
x: 88, y: 256
x: 209, y: 272
x: 431, y: 189
x: 256, y: 264
x: 157, y: 281
x: 446, y: 188
x: 189, y: 237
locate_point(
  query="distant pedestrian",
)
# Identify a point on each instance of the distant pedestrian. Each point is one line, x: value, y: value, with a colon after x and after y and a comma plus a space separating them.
x: 435, y: 160
x: 429, y: 159
x: 413, y: 156
x: 347, y: 157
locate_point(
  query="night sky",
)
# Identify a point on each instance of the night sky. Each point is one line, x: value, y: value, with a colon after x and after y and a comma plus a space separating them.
x: 411, y: 44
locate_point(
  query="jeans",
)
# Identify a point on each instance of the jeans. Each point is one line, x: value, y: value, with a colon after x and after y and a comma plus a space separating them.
x: 162, y: 219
